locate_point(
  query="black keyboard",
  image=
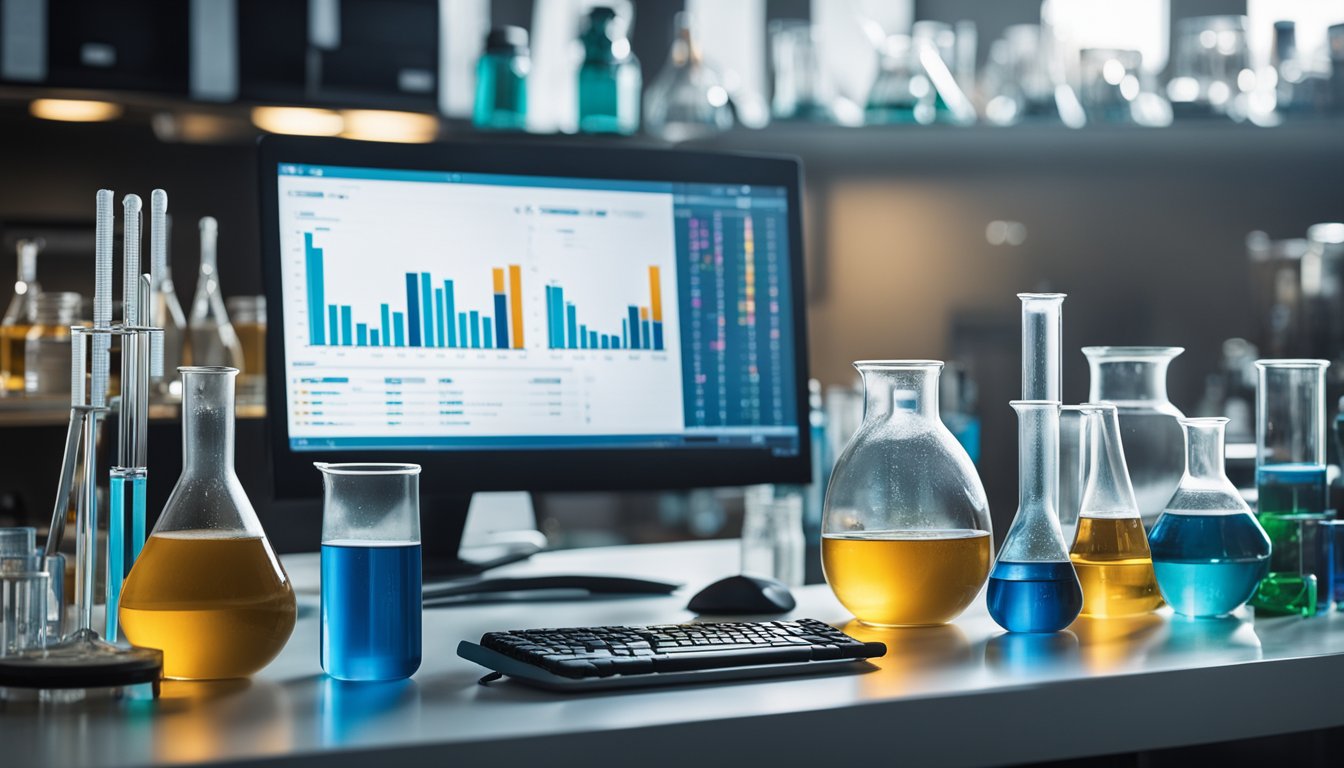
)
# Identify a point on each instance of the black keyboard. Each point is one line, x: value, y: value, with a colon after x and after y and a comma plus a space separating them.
x: 614, y: 657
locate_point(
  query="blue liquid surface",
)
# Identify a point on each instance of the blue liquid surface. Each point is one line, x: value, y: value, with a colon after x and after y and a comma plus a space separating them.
x: 1034, y: 597
x: 1291, y: 489
x: 371, y: 600
x: 1208, y: 565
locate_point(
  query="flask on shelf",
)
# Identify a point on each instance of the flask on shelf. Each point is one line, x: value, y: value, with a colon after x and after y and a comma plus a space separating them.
x: 247, y: 314
x: 501, y: 81
x: 1033, y: 587
x: 166, y: 313
x: 1209, y: 552
x: 1110, y: 549
x: 687, y: 100
x: 212, y: 340
x: 906, y: 531
x: 19, y: 317
x: 1135, y: 380
x: 208, y: 590
x: 609, y: 77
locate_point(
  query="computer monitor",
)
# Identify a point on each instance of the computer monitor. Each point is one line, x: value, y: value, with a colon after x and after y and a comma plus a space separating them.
x: 533, y: 317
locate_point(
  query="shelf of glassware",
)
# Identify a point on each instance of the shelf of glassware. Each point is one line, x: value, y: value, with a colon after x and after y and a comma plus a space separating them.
x: 885, y: 148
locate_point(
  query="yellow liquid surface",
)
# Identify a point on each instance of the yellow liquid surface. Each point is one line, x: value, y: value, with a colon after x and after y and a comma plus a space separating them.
x: 1115, y: 567
x: 12, y: 355
x: 217, y: 607
x: 906, y: 578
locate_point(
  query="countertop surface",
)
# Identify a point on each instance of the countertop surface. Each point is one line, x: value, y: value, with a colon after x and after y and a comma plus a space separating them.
x: 961, y: 694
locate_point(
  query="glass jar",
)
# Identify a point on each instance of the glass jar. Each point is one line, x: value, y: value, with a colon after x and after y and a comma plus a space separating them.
x: 1135, y: 380
x: 19, y: 317
x: 906, y: 533
x: 1209, y: 552
x: 207, y: 589
x: 501, y: 81
x: 248, y: 316
x: 609, y: 78
x: 46, y: 348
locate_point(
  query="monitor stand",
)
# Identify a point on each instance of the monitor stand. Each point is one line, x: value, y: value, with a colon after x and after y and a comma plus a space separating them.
x: 443, y: 520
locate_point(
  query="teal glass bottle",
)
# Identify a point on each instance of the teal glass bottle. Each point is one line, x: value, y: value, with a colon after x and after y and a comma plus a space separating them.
x: 609, y: 78
x: 501, y: 81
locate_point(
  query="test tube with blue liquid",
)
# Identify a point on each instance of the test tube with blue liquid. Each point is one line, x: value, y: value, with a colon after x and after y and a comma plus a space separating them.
x: 1033, y: 586
x: 1290, y: 478
x: 371, y: 584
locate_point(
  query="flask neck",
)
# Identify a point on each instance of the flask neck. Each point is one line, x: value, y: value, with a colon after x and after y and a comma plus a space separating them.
x: 1204, y: 445
x: 1038, y: 454
x: 207, y: 419
x: 891, y: 388
x: 1128, y: 379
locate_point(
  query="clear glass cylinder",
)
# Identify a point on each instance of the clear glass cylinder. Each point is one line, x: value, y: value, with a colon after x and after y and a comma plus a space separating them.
x: 1135, y: 380
x: 1290, y: 474
x: 802, y: 91
x: 1110, y: 548
x: 501, y: 81
x: 772, y: 534
x: 1034, y: 587
x: 47, y: 345
x: 906, y: 534
x: 208, y: 589
x: 371, y: 582
x: 1209, y: 552
x: 687, y: 100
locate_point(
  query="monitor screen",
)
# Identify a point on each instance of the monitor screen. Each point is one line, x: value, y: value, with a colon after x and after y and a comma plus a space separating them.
x: 445, y: 311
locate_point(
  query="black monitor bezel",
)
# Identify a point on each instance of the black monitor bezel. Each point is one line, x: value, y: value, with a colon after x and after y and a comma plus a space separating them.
x: 451, y: 472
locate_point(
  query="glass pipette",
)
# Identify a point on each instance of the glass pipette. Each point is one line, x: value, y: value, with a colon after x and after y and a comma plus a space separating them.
x: 122, y: 480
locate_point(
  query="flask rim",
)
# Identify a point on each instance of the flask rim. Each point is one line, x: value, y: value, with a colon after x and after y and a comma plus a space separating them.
x: 1291, y: 363
x: 1089, y: 407
x: 1111, y: 354
x: 1203, y: 421
x: 367, y: 468
x: 216, y: 369
x: 896, y: 365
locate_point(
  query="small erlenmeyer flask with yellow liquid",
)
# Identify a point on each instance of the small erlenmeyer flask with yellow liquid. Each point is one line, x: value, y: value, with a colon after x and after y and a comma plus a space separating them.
x: 906, y: 535
x: 208, y: 590
x: 1110, y: 550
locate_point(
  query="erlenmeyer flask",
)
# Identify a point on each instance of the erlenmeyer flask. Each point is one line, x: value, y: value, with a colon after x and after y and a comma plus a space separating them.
x: 1110, y: 549
x: 1209, y: 551
x: 1033, y: 587
x: 208, y: 590
x: 687, y: 100
x: 166, y: 312
x: 906, y: 532
x: 212, y: 338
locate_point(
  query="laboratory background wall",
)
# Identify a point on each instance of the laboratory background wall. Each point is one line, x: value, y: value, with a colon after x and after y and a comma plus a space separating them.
x: 1145, y: 229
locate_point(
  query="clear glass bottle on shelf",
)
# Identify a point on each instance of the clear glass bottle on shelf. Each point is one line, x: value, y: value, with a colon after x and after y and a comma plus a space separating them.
x: 687, y: 100
x: 1110, y: 549
x: 207, y: 589
x: 19, y: 317
x: 212, y: 340
x: 609, y: 77
x: 1209, y: 552
x: 1135, y: 380
x: 47, y: 346
x: 166, y: 313
x: 906, y: 532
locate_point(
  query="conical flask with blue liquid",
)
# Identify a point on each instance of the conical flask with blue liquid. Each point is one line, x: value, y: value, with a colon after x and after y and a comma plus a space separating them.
x: 1033, y: 586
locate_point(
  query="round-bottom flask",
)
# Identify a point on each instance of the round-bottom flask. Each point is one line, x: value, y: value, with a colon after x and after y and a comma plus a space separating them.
x: 1209, y: 551
x: 207, y: 589
x: 1033, y: 587
x: 906, y: 534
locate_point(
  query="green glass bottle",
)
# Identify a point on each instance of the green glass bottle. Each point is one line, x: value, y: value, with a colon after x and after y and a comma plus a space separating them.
x: 609, y: 78
x: 501, y: 81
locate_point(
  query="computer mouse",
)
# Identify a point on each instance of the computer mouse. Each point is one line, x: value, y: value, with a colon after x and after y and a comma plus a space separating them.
x: 743, y: 594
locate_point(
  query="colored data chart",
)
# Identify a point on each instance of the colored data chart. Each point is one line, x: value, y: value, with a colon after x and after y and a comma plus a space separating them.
x: 641, y: 327
x: 429, y: 315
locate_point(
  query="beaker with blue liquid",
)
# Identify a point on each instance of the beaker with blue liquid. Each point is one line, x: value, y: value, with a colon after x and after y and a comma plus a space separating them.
x: 1209, y: 552
x: 371, y: 584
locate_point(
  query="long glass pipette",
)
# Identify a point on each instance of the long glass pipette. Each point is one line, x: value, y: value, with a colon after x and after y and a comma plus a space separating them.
x: 122, y: 480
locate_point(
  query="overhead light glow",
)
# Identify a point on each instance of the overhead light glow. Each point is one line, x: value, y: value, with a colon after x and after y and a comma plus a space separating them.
x: 298, y: 121
x: 382, y: 125
x: 74, y: 110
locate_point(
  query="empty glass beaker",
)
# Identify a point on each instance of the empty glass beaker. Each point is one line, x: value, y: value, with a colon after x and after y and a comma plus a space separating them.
x: 1290, y: 476
x: 1033, y: 587
x: 1110, y: 548
x: 1209, y: 552
x: 371, y: 589
x: 772, y: 533
x: 1135, y: 380
x: 207, y: 589
x: 906, y: 532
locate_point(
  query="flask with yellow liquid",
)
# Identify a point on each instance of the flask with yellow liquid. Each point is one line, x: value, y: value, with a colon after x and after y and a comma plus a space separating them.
x: 208, y: 590
x: 906, y: 534
x: 1110, y: 550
